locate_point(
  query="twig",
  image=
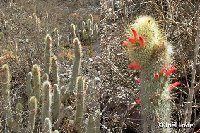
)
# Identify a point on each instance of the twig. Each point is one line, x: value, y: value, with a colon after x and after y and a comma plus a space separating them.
x: 188, y: 107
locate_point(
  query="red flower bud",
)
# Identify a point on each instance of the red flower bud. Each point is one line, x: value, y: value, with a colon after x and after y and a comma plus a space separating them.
x: 125, y: 44
x: 168, y: 70
x: 134, y: 66
x: 137, y: 80
x: 132, y: 40
x: 134, y: 33
x: 156, y: 76
x: 141, y: 41
x: 163, y: 70
x: 172, y: 86
x: 138, y: 101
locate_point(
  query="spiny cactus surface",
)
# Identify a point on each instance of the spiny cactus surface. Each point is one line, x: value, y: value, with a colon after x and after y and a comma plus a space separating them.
x: 146, y: 47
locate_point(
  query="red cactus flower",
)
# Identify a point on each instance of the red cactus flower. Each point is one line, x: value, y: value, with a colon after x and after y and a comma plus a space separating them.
x: 125, y: 43
x: 138, y: 101
x: 137, y: 80
x: 163, y: 70
x: 134, y: 33
x: 172, y: 86
x: 141, y: 41
x: 156, y: 76
x: 134, y: 66
x: 132, y: 39
x: 168, y: 70
x: 135, y: 39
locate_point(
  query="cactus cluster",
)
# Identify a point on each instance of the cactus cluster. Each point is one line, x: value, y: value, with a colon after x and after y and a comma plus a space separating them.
x: 88, y: 32
x: 47, y: 107
x: 147, y: 50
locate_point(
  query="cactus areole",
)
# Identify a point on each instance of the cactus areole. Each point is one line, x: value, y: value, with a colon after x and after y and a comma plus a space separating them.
x: 147, y: 49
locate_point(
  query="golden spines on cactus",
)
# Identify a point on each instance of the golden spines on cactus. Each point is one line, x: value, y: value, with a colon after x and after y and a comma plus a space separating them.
x: 5, y: 77
x: 145, y: 41
x: 148, y: 27
x: 33, y: 106
x: 48, y: 41
x: 147, y: 49
x: 47, y: 56
x: 36, y: 81
x: 73, y: 29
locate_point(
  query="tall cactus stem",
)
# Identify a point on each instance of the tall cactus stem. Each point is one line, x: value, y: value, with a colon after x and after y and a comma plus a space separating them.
x: 80, y: 102
x: 45, y: 77
x: 91, y: 124
x: 55, y: 131
x: 147, y: 50
x: 19, y: 113
x: 97, y: 121
x: 36, y: 81
x: 92, y: 20
x: 46, y: 101
x: 6, y: 99
x: 33, y: 106
x: 73, y: 28
x: 75, y: 70
x: 47, y: 126
x: 54, y: 71
x: 56, y: 103
x: 76, y: 63
x: 29, y: 89
x: 48, y: 49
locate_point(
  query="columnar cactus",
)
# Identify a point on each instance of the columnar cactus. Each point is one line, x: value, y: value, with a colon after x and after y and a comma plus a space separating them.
x: 48, y: 49
x: 19, y: 112
x: 76, y: 64
x: 54, y: 71
x: 89, y: 27
x: 33, y: 106
x: 6, y: 78
x: 75, y: 70
x: 46, y: 101
x: 47, y: 126
x: 147, y: 50
x: 36, y: 82
x: 6, y: 99
x: 92, y: 20
x: 41, y: 110
x: 89, y: 31
x: 45, y: 77
x: 73, y: 29
x: 55, y: 131
x: 79, y: 102
x: 97, y: 121
x: 95, y: 31
x: 91, y: 125
x: 29, y: 89
x: 56, y: 103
